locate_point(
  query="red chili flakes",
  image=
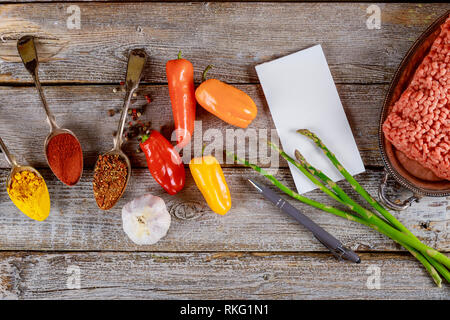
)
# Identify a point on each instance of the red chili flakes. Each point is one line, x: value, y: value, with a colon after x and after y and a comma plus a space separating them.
x: 110, y: 179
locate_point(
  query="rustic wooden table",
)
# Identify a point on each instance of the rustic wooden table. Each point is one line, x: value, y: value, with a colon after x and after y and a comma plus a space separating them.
x: 252, y: 252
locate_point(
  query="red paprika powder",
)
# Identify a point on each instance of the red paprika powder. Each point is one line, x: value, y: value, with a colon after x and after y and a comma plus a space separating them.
x: 65, y: 158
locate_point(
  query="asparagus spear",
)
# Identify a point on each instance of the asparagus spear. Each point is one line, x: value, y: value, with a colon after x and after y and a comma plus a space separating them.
x: 354, y: 206
x: 312, y: 173
x: 442, y: 270
x: 375, y: 204
x: 355, y: 183
x: 425, y: 259
x: 307, y: 174
x: 299, y: 197
x: 392, y: 232
x: 429, y: 252
x: 336, y: 212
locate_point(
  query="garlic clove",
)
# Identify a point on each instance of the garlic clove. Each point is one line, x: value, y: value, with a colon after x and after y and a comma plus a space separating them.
x: 146, y: 219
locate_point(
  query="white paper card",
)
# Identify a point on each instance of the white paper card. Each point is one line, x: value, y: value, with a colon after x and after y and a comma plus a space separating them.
x: 301, y: 94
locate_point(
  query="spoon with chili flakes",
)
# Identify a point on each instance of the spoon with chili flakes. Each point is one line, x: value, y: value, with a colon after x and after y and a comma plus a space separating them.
x: 113, y: 169
x: 62, y: 148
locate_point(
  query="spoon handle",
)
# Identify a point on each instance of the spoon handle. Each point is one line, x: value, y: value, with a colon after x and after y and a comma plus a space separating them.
x: 28, y: 54
x: 9, y: 157
x: 136, y: 62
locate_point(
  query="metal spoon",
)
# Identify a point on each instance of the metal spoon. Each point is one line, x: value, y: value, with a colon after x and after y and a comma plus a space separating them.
x: 136, y: 62
x: 15, y: 167
x: 28, y: 54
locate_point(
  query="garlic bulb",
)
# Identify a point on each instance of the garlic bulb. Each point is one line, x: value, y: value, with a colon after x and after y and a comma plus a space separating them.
x: 145, y: 219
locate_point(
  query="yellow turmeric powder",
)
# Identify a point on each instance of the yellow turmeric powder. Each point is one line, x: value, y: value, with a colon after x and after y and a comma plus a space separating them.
x: 29, y: 193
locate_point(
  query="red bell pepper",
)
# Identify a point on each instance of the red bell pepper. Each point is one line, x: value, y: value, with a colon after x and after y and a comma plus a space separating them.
x: 164, y: 162
x: 180, y: 78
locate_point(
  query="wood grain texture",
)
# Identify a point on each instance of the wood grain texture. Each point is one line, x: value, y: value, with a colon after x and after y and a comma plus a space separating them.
x: 253, y: 224
x: 212, y: 276
x: 143, y: 1
x: 230, y: 35
x: 83, y: 108
x: 255, y: 251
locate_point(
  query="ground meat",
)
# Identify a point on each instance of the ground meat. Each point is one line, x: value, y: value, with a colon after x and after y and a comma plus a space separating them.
x: 419, y: 122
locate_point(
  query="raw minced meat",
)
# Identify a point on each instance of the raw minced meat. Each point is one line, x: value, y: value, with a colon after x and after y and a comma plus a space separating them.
x: 419, y: 122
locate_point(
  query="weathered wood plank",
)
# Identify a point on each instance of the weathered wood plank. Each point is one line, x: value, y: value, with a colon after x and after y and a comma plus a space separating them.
x: 212, y: 276
x: 253, y: 224
x: 62, y: 1
x: 83, y: 108
x: 233, y: 36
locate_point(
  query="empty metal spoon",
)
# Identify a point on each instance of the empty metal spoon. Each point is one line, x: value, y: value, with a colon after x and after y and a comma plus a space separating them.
x: 28, y: 54
x: 16, y: 168
x: 136, y: 62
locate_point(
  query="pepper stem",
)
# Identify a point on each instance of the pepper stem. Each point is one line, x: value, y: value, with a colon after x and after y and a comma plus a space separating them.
x: 179, y: 55
x: 203, y: 149
x: 144, y: 138
x: 206, y: 71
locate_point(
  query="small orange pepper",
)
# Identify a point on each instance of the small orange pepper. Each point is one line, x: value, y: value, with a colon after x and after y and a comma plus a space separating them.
x: 209, y: 178
x: 180, y: 79
x: 226, y: 102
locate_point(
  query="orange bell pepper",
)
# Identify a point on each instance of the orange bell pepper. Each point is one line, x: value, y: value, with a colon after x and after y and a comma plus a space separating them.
x: 226, y: 102
x: 209, y: 178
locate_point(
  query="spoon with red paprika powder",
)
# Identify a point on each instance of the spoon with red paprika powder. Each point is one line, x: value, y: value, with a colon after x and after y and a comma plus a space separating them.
x: 110, y: 170
x: 62, y: 148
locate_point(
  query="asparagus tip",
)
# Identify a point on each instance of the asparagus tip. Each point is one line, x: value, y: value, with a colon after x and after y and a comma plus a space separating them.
x: 308, y: 133
x: 312, y: 136
x: 299, y: 156
x: 304, y: 132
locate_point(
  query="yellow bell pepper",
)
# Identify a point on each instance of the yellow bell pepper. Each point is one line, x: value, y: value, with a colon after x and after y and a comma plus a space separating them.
x: 209, y: 178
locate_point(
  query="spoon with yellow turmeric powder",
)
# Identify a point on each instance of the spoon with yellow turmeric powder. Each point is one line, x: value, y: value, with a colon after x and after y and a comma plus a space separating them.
x: 27, y: 188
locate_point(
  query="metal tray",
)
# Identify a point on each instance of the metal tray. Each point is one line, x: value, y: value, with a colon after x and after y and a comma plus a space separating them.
x: 393, y: 167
